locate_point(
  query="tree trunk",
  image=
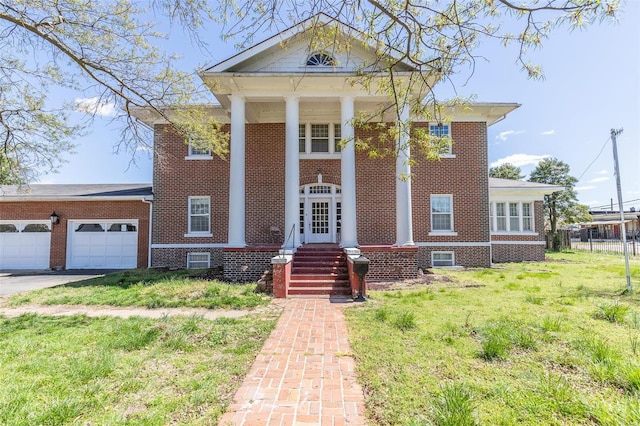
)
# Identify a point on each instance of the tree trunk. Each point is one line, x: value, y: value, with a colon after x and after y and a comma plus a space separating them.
x: 553, y: 219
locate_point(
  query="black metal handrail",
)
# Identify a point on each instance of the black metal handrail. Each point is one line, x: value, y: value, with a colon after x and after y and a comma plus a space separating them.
x: 292, y: 232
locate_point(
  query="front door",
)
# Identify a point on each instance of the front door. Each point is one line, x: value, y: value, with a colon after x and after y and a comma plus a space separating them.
x: 320, y: 225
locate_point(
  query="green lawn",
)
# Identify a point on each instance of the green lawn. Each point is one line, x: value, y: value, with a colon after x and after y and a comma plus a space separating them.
x: 550, y: 343
x: 147, y: 288
x: 80, y: 371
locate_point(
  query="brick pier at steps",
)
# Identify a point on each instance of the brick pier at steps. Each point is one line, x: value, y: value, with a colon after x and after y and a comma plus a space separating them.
x: 303, y: 375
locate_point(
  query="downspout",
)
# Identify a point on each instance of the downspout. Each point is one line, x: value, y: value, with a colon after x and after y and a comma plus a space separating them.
x: 150, y: 202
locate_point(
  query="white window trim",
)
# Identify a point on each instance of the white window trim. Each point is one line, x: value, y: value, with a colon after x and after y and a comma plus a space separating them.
x: 453, y: 258
x: 494, y: 218
x: 191, y: 156
x: 332, y: 154
x: 197, y: 234
x: 449, y: 154
x: 199, y: 254
x: 445, y: 232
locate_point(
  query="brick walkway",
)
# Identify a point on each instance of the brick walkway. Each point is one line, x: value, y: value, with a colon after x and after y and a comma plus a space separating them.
x: 304, y: 374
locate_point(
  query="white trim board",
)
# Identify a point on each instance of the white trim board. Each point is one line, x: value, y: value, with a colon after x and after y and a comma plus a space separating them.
x: 219, y: 245
x: 521, y: 243
x: 453, y: 244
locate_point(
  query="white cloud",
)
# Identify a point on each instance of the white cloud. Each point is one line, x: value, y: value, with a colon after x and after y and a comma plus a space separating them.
x: 549, y: 132
x: 503, y: 136
x: 585, y: 188
x: 520, y: 160
x: 602, y: 172
x: 94, y: 106
x: 599, y: 179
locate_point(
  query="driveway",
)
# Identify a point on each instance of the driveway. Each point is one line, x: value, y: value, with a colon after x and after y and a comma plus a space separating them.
x: 12, y: 282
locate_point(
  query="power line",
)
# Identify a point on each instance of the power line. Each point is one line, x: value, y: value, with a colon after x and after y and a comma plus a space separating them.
x: 594, y: 160
x: 609, y: 205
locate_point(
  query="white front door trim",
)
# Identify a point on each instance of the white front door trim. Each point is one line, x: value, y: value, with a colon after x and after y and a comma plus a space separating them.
x: 318, y: 193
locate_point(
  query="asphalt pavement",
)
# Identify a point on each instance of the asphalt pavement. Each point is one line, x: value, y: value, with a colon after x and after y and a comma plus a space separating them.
x: 12, y: 282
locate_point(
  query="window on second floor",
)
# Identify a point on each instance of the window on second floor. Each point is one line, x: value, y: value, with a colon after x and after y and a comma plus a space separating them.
x: 441, y: 131
x: 197, y: 152
x: 319, y: 138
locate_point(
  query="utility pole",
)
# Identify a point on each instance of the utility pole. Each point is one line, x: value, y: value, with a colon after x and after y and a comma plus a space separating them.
x: 623, y: 231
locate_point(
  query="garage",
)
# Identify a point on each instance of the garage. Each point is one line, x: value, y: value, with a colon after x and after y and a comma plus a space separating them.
x: 97, y: 244
x: 25, y: 244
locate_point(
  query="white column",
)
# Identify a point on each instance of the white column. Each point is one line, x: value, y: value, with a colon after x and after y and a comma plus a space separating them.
x: 349, y: 232
x: 237, y: 174
x: 292, y: 175
x: 404, y: 225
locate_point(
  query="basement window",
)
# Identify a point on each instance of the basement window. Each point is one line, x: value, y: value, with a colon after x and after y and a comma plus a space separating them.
x: 442, y: 259
x: 198, y: 260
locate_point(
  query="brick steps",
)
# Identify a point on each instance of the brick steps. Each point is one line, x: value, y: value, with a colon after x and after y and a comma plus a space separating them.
x: 319, y: 271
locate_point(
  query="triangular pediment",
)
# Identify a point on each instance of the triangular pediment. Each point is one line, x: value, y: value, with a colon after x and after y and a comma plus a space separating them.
x: 289, y: 51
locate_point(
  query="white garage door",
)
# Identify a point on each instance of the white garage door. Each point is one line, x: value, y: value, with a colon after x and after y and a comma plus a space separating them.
x: 25, y: 244
x: 102, y: 244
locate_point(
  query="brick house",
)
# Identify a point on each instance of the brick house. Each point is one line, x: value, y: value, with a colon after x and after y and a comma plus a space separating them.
x: 288, y: 186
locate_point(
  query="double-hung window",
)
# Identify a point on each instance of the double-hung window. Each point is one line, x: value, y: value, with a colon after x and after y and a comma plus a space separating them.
x: 441, y: 213
x: 514, y: 217
x: 319, y: 139
x: 198, y: 152
x: 501, y: 217
x: 527, y: 224
x: 441, y: 131
x: 199, y: 216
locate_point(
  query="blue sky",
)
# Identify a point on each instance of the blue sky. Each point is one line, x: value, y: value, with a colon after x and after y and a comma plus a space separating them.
x: 592, y: 84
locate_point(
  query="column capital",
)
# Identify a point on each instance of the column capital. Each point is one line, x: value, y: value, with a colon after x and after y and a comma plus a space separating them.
x: 292, y: 98
x: 235, y: 97
x: 347, y: 98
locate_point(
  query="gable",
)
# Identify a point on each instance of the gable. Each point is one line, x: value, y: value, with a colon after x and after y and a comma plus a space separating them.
x: 292, y: 57
x: 288, y: 51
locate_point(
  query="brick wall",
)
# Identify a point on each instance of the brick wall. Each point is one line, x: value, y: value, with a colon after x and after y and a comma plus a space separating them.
x: 176, y: 179
x: 72, y: 210
x: 247, y: 264
x: 469, y: 256
x: 466, y: 177
x: 389, y: 263
x: 177, y: 257
x: 517, y: 252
